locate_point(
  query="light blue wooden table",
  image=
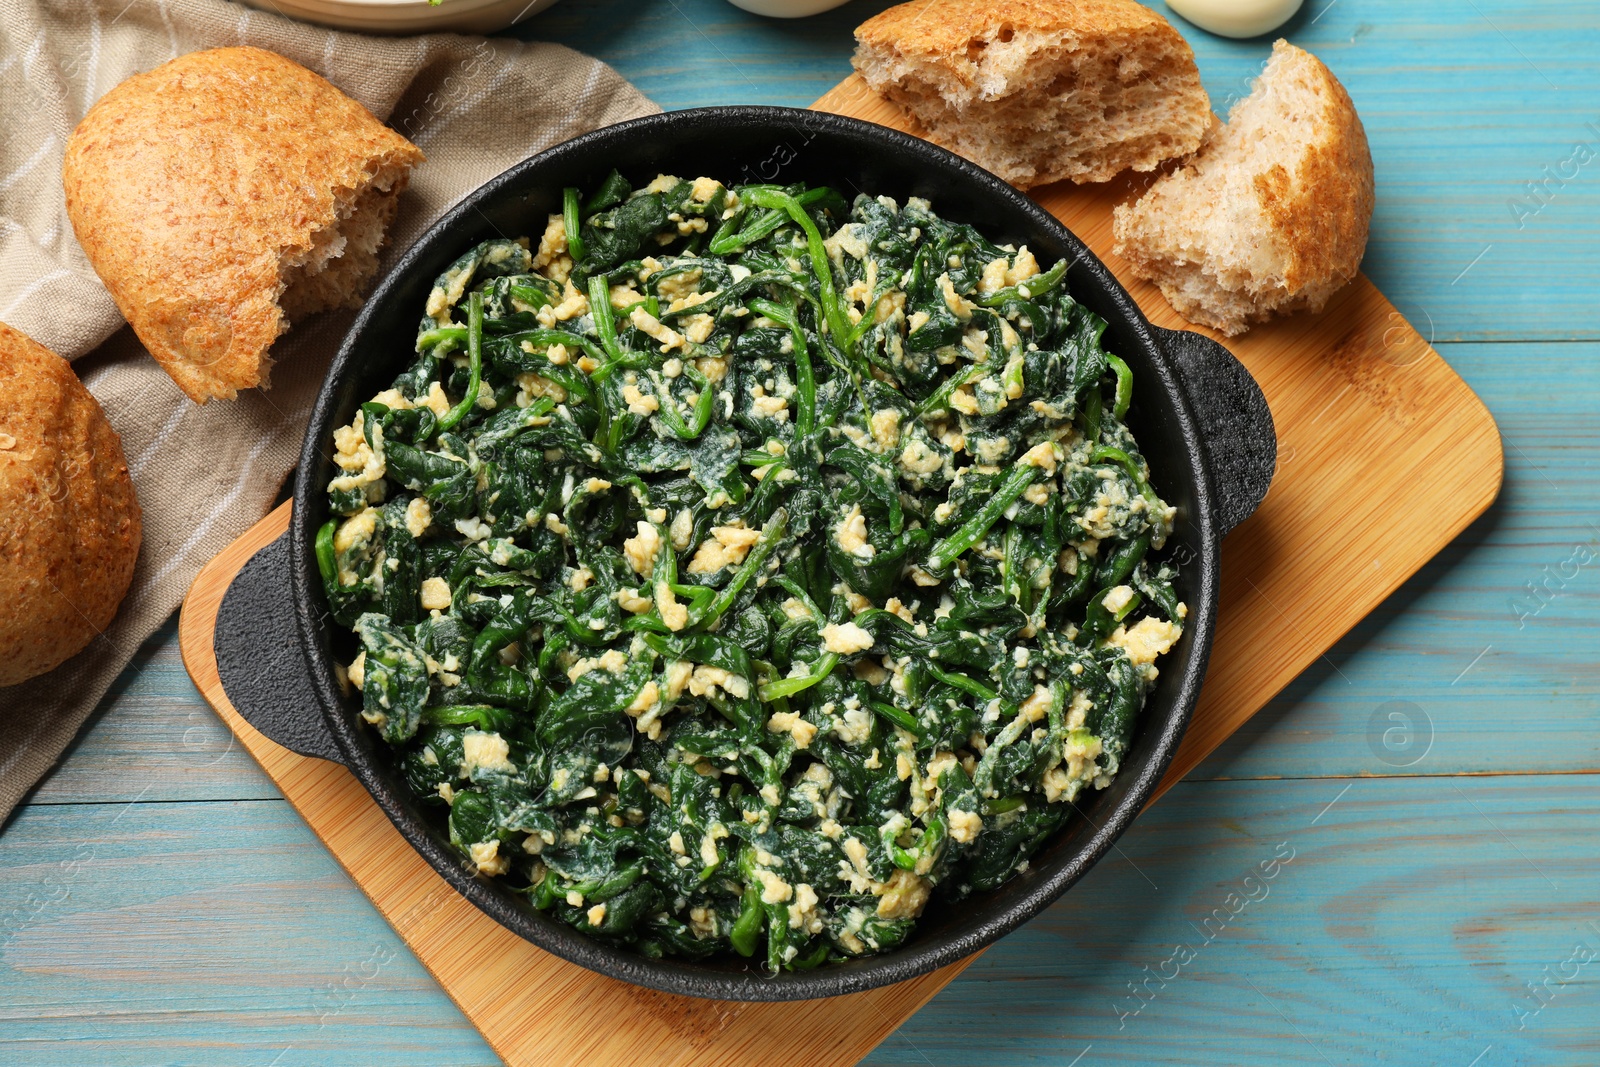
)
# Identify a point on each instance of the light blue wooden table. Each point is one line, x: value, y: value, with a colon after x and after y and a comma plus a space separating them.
x: 1434, y: 900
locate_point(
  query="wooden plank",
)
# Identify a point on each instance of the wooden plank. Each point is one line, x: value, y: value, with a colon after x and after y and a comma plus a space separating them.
x: 1499, y: 629
x: 157, y: 737
x: 207, y: 934
x: 154, y: 739
x: 1463, y: 103
x: 224, y: 934
x: 1458, y: 122
x: 522, y: 999
x: 1408, y: 940
x: 1295, y: 581
x: 1307, y: 566
x: 1289, y: 591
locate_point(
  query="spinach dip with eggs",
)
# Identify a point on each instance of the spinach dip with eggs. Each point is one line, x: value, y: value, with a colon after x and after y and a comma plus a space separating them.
x: 739, y: 568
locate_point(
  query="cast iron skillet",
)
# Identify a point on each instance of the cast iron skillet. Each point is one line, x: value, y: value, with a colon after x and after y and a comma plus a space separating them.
x: 1201, y: 420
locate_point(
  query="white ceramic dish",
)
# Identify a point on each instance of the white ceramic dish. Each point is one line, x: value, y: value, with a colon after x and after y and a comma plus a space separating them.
x: 407, y: 16
x: 787, y: 9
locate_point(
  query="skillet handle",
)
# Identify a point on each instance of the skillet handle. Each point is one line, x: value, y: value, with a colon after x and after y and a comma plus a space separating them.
x: 259, y: 657
x: 1235, y: 422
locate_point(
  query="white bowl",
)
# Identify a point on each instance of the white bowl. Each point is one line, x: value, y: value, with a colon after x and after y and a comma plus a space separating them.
x: 787, y: 9
x: 407, y: 16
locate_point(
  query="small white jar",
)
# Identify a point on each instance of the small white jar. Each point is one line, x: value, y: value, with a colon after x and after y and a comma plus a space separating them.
x: 1236, y: 18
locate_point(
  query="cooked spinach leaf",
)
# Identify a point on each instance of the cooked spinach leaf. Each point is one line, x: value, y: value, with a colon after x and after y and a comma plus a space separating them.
x: 741, y: 569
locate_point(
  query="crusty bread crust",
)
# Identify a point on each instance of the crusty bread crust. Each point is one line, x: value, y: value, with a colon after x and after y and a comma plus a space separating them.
x: 201, y: 189
x: 1271, y: 215
x: 1040, y: 90
x: 1324, y: 211
x: 69, y: 522
x: 943, y: 30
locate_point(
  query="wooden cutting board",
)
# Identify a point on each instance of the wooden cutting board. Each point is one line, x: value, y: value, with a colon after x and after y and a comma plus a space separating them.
x: 1384, y: 456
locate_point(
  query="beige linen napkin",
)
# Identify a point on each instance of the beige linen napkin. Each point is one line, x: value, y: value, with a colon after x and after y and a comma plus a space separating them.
x: 205, y: 474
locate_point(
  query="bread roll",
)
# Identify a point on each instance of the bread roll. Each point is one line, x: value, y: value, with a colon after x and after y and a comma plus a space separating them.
x: 1040, y: 90
x: 223, y: 195
x: 69, y: 522
x: 1271, y: 215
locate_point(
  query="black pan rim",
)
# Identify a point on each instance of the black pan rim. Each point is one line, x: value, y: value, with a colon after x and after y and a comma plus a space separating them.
x: 918, y: 956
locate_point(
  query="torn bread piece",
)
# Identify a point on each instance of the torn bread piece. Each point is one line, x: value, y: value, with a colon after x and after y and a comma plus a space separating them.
x: 1271, y: 216
x: 222, y: 196
x: 1040, y: 91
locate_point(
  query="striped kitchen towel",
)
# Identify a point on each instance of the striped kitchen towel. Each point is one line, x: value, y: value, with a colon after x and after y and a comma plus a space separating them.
x: 205, y: 474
